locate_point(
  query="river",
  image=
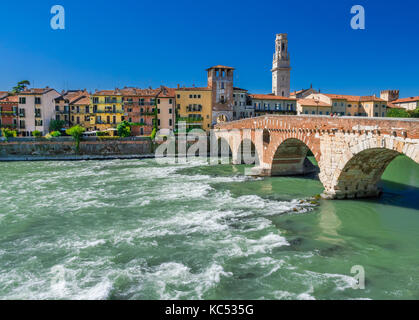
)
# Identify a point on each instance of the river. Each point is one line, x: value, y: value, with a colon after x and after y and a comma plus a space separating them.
x: 135, y: 229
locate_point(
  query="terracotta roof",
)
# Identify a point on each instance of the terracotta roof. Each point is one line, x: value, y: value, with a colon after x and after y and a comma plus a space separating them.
x: 220, y: 67
x: 81, y: 100
x: 410, y: 99
x: 71, y: 95
x: 131, y: 92
x: 10, y: 99
x: 239, y: 89
x: 270, y: 97
x: 3, y: 93
x: 115, y: 92
x: 194, y: 89
x: 167, y: 92
x: 36, y: 91
x: 353, y: 98
x: 313, y: 103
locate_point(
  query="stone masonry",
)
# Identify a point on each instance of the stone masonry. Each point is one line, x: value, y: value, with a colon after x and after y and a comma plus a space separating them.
x: 352, y: 152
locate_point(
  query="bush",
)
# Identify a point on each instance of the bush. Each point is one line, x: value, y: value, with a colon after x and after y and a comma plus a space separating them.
x: 37, y: 133
x: 55, y: 134
x: 7, y: 133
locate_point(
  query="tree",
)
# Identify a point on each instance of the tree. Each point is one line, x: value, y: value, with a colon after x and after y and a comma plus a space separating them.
x: 397, y: 113
x: 21, y: 85
x: 37, y: 133
x: 56, y: 125
x: 76, y: 132
x: 414, y: 113
x: 124, y: 129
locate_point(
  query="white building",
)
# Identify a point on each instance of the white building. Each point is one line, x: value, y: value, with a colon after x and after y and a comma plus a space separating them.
x: 36, y: 109
x: 243, y: 107
x: 407, y: 103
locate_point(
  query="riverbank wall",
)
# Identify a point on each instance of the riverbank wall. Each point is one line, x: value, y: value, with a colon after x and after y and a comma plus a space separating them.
x: 64, y: 148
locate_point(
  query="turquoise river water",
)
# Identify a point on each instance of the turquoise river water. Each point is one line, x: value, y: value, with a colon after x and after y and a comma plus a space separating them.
x: 135, y: 229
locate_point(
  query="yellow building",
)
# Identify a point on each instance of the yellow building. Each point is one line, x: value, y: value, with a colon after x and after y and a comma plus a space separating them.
x: 106, y: 107
x: 194, y: 106
x: 311, y: 106
x: 348, y: 105
x: 80, y: 111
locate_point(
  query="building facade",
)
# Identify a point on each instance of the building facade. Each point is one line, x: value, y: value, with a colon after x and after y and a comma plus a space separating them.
x: 166, y: 110
x: 107, y: 111
x: 36, y: 108
x: 194, y: 106
x: 8, y: 112
x: 271, y: 104
x: 65, y: 108
x: 411, y: 103
x: 140, y: 109
x: 313, y: 107
x: 281, y: 69
x: 243, y: 107
x: 347, y: 105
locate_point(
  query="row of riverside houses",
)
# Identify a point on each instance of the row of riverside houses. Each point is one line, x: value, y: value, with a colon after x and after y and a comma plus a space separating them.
x: 199, y: 107
x: 163, y: 108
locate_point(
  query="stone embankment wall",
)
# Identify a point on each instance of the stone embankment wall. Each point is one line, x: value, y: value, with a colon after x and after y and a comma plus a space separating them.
x: 64, y: 148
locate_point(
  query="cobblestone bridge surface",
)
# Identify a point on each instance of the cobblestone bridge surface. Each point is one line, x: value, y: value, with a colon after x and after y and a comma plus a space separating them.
x: 352, y: 152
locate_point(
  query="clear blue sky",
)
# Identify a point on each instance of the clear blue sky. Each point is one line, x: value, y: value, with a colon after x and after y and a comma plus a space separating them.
x: 109, y: 44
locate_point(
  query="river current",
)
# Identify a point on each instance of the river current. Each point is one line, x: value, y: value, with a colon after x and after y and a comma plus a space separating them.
x: 135, y: 229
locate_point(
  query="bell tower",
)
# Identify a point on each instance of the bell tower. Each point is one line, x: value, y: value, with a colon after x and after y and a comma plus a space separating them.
x: 281, y: 70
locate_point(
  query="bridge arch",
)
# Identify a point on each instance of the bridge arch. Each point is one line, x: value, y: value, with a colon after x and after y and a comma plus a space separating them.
x: 289, y: 156
x: 358, y: 176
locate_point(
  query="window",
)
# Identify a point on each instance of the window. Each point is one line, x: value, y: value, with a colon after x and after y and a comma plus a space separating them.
x: 170, y: 101
x: 190, y: 96
x: 158, y: 111
x: 170, y: 122
x: 86, y: 109
x: 37, y: 100
x: 376, y: 114
x: 22, y: 100
x: 57, y: 108
x: 178, y: 96
x: 158, y: 101
x: 170, y: 110
x: 158, y: 122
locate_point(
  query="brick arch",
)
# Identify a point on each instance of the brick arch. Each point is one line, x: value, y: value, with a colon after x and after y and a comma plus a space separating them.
x: 287, y: 152
x: 357, y: 176
x: 279, y: 138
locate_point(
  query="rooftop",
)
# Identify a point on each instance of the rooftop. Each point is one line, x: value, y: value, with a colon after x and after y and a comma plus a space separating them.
x: 410, y: 99
x: 313, y: 102
x: 270, y: 97
x: 220, y: 67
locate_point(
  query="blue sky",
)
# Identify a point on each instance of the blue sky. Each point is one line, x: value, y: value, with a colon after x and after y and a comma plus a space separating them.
x: 109, y: 44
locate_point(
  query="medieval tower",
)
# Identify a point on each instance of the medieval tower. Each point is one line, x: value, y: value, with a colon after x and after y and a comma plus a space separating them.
x: 281, y: 70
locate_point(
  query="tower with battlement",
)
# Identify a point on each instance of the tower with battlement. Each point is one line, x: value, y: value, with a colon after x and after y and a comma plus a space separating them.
x: 389, y: 95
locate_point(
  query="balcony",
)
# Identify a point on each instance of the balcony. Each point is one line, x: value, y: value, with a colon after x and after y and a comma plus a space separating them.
x: 8, y: 113
x: 108, y: 111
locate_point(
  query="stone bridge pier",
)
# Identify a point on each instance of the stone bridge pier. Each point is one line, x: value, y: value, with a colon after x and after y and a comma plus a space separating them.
x: 352, y: 152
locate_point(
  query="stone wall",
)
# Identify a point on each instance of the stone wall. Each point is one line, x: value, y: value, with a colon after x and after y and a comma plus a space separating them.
x: 63, y: 148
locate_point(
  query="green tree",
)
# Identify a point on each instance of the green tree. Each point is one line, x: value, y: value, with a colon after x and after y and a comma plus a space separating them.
x: 76, y: 132
x: 37, y: 133
x: 20, y: 86
x: 414, y: 113
x: 124, y: 129
x: 56, y: 125
x: 397, y: 113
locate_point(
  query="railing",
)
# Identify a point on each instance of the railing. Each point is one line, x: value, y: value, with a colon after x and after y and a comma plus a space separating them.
x: 108, y: 111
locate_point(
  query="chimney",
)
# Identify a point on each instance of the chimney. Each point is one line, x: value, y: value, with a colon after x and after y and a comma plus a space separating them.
x: 178, y: 86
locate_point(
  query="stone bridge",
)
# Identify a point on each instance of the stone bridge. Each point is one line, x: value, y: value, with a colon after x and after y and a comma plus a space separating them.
x: 352, y: 152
